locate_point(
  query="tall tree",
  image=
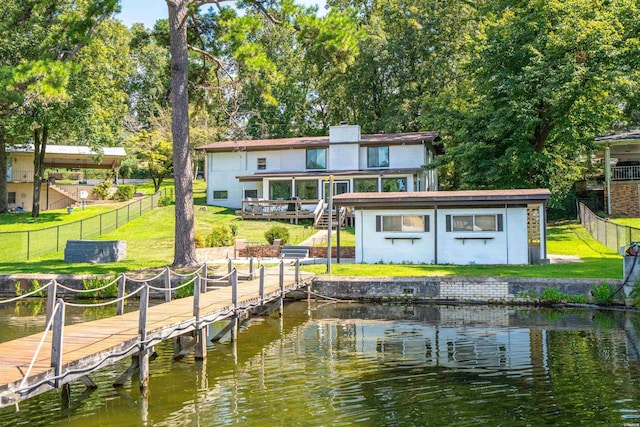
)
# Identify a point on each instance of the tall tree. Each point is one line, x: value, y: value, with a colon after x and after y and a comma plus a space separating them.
x: 247, y: 56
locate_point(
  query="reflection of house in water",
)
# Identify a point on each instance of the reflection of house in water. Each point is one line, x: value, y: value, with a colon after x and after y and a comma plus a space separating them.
x: 470, y: 339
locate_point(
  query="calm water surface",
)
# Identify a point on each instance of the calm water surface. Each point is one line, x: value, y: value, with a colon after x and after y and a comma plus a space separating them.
x: 378, y: 365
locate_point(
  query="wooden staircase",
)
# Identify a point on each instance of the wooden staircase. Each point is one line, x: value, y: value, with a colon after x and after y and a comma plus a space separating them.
x: 65, y: 193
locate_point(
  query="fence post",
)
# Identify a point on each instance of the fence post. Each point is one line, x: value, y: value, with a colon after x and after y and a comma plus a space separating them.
x: 28, y: 244
x: 121, y: 286
x: 128, y: 212
x: 81, y: 222
x: 117, y: 210
x: 167, y: 284
x: 101, y: 224
x: 143, y: 356
x: 261, y: 285
x: 57, y: 341
x: 57, y: 238
x: 51, y: 299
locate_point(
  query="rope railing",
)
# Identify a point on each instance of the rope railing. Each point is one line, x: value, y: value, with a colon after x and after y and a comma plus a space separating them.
x: 199, y: 269
x: 103, y: 304
x: 27, y: 295
x: 81, y: 291
x: 146, y: 280
x: 56, y: 317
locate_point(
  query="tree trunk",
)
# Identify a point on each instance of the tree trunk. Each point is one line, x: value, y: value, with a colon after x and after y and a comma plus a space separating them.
x: 4, y: 194
x: 40, y: 135
x: 184, y: 247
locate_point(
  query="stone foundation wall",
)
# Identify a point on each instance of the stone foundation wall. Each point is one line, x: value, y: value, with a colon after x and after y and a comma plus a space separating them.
x: 321, y: 252
x: 470, y: 289
x: 624, y: 198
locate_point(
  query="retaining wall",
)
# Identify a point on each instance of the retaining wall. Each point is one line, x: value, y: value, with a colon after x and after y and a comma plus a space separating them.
x: 481, y: 289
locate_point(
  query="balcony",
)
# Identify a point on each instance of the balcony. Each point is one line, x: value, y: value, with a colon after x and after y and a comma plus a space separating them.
x: 293, y: 210
x: 19, y: 175
x: 625, y: 173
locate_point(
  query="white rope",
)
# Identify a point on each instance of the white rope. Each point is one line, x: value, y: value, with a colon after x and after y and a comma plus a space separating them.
x: 35, y: 291
x: 176, y: 288
x: 81, y: 291
x: 102, y: 304
x: 145, y: 280
x: 44, y: 335
x: 218, y: 279
x: 188, y: 274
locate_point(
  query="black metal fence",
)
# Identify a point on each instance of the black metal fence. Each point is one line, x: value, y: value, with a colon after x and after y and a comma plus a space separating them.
x: 610, y: 234
x: 24, y: 245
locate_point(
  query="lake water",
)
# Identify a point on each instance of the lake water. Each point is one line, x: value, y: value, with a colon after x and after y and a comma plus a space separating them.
x: 377, y: 365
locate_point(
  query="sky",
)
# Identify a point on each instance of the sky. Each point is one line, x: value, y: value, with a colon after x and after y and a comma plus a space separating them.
x: 149, y: 11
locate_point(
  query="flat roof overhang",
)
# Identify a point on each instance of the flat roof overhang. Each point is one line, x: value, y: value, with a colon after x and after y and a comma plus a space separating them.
x: 325, y: 174
x: 430, y: 199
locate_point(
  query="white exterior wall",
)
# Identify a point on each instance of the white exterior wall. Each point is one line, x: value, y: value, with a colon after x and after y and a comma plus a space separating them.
x: 343, y: 157
x: 222, y: 169
x: 502, y: 247
x: 372, y: 246
x: 400, y: 156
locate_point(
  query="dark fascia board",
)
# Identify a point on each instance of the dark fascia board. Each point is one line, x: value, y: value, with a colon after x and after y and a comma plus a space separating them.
x: 443, y: 199
x: 321, y: 174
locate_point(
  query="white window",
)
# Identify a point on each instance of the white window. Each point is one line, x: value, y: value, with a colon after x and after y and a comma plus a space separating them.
x: 403, y: 223
x: 473, y: 223
x: 220, y: 194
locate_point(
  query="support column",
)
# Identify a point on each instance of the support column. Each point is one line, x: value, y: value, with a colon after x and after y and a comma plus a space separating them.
x: 543, y: 231
x: 607, y: 176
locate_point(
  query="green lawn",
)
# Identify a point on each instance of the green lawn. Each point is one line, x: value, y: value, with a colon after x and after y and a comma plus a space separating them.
x: 631, y: 222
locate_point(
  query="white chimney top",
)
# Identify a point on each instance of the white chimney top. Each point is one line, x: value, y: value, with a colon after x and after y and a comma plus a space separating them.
x: 344, y: 133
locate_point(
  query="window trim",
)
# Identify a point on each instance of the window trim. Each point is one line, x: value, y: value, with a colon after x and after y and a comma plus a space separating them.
x: 306, y: 163
x: 499, y: 223
x: 226, y: 194
x: 380, y: 224
x: 377, y: 147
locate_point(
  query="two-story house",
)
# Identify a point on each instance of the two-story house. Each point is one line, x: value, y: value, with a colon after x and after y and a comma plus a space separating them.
x: 297, y: 168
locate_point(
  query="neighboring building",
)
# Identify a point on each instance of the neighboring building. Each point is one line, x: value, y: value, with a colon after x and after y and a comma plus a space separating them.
x: 20, y: 170
x: 450, y: 227
x: 292, y: 168
x: 621, y: 161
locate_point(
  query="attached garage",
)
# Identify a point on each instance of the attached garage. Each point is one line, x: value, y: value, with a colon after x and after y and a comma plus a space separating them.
x: 450, y: 227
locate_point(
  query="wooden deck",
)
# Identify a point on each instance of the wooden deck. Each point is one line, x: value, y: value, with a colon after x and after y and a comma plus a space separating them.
x: 92, y: 345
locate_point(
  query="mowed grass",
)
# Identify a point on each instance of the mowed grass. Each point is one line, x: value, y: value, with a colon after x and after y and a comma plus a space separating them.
x: 631, y: 222
x: 598, y: 262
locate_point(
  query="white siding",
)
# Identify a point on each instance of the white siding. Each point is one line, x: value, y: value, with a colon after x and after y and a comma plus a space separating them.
x: 500, y: 247
x: 343, y: 157
x: 400, y: 156
x: 376, y: 246
x: 222, y: 169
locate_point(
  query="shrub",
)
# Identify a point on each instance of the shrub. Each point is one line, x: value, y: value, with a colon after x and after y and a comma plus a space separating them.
x: 102, y: 190
x: 185, y: 291
x: 576, y: 299
x: 35, y: 286
x: 234, y: 228
x: 125, y: 192
x: 199, y: 240
x: 635, y: 294
x: 221, y: 235
x: 164, y: 201
x: 95, y: 282
x: 277, y: 232
x: 603, y: 293
x: 552, y: 295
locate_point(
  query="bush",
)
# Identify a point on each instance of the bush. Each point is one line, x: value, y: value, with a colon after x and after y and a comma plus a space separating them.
x: 164, y: 201
x: 94, y: 282
x: 102, y: 190
x: 234, y: 228
x: 185, y: 291
x: 552, y: 295
x: 221, y: 235
x: 277, y: 232
x: 199, y: 240
x: 603, y: 293
x: 125, y: 192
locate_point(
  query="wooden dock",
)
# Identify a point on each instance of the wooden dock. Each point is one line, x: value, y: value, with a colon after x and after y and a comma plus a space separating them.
x: 65, y: 354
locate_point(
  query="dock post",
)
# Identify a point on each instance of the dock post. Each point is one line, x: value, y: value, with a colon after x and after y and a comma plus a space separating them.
x: 204, y: 277
x: 251, y: 268
x: 143, y: 358
x: 167, y: 285
x: 51, y: 299
x: 262, y: 285
x: 200, y: 350
x: 234, y: 300
x: 121, y: 286
x: 57, y: 341
x: 229, y: 266
x: 297, y: 271
x: 281, y: 278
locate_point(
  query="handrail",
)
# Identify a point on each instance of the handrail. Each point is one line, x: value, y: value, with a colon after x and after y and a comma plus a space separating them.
x: 182, y: 285
x: 318, y: 212
x: 103, y: 304
x: 81, y: 291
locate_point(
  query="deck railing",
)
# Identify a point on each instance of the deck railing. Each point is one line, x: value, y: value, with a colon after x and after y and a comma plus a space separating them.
x: 24, y: 245
x: 625, y: 173
x: 290, y: 209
